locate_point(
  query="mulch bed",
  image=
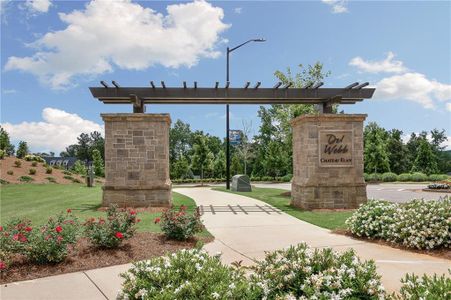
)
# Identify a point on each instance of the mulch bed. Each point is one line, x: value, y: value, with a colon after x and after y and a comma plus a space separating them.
x: 437, y: 190
x: 440, y: 253
x: 84, y: 256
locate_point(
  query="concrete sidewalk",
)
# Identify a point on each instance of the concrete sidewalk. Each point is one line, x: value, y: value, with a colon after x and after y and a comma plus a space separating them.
x: 242, y: 237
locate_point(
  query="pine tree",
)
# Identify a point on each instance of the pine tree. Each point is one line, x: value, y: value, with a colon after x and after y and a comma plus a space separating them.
x: 22, y: 149
x: 375, y: 149
x: 5, y: 143
x: 97, y: 162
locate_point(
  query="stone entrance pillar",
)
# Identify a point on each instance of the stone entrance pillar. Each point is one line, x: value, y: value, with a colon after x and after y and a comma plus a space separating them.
x: 328, y: 161
x: 137, y: 160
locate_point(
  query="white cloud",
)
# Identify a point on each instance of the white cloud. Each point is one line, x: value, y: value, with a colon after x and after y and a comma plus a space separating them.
x: 238, y: 10
x: 120, y: 33
x: 38, y: 6
x: 57, y: 130
x: 338, y: 6
x: 388, y: 65
x: 414, y: 87
x: 448, y: 106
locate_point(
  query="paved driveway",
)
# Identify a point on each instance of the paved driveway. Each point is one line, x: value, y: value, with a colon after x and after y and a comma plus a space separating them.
x: 395, y: 192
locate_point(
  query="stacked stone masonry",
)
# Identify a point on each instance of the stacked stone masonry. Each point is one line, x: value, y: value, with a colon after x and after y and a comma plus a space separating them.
x: 317, y: 185
x: 137, y: 160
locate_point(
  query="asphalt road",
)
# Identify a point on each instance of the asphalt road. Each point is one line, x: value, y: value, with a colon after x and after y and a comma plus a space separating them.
x: 395, y: 192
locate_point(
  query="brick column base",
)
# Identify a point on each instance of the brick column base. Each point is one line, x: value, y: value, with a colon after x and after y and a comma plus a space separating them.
x: 137, y: 160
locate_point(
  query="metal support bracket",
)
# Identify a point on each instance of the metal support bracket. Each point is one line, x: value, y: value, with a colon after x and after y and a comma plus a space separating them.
x: 138, y: 104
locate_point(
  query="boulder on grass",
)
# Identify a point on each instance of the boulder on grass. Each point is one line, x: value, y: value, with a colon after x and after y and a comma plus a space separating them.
x: 241, y: 183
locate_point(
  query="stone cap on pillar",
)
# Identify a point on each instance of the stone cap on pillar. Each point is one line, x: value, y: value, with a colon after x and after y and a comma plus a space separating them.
x: 329, y: 118
x: 136, y: 117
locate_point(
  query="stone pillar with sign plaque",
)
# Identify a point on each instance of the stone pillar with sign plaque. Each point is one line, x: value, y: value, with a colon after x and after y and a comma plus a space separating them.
x: 328, y: 161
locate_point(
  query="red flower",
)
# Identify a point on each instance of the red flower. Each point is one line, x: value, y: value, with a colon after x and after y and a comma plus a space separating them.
x: 28, y: 229
x: 59, y: 238
x: 157, y: 220
x: 138, y: 220
x: 69, y: 210
x: 1, y: 228
x: 119, y: 235
x: 58, y: 228
x: 23, y: 239
x: 133, y: 212
x: 2, y: 265
x: 16, y: 237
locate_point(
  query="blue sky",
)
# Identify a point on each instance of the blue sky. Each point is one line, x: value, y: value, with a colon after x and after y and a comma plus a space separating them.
x: 52, y: 51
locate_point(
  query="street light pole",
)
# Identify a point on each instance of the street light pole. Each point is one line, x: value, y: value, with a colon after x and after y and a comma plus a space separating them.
x: 228, y: 108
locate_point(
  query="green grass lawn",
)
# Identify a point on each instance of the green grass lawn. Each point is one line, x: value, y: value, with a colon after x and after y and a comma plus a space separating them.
x: 38, y: 202
x: 274, y: 197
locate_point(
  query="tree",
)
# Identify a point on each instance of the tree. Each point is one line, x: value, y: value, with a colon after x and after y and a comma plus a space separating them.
x: 426, y: 160
x: 22, y: 149
x: 245, y: 148
x: 276, y: 160
x: 412, y: 147
x: 375, y: 149
x: 180, y: 168
x: 5, y: 143
x: 219, y: 165
x: 235, y: 165
x: 180, y: 138
x: 97, y: 163
x: 397, y: 152
x: 202, y: 158
x: 79, y: 168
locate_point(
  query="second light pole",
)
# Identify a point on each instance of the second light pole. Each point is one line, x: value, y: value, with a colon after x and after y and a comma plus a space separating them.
x: 227, y: 111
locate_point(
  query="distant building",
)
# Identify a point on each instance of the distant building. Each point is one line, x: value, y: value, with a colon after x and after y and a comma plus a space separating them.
x: 63, y: 162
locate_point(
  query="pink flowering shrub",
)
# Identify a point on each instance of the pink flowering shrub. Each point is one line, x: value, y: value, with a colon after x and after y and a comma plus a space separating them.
x: 112, y: 231
x: 179, y: 224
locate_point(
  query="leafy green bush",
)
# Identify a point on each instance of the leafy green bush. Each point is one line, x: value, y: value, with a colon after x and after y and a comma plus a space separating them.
x: 185, y: 274
x: 17, y: 163
x: 420, y: 224
x: 418, y: 177
x: 110, y: 232
x: 32, y: 171
x: 178, y: 224
x: 34, y: 164
x: 45, y: 244
x: 25, y: 178
x: 48, y: 170
x: 374, y: 177
x: 300, y: 272
x: 405, y: 177
x: 428, y: 287
x: 68, y: 177
x: 66, y: 172
x: 437, y: 177
x: 32, y: 157
x: 287, y: 178
x: 10, y: 172
x: 51, y: 179
x: 372, y: 219
x: 2, y: 181
x: 79, y: 168
x: 2, y: 154
x: 389, y: 177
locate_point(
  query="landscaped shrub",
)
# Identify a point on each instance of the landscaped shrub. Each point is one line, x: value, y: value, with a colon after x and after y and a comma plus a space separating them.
x: 420, y: 224
x: 178, y: 224
x: 389, y: 177
x: 32, y: 157
x: 374, y: 177
x: 372, y: 219
x: 2, y: 181
x: 10, y: 172
x: 79, y: 168
x: 44, y: 244
x: 76, y: 180
x: 417, y: 176
x: 2, y: 154
x: 5, y: 260
x: 405, y: 177
x: 51, y: 179
x: 17, y: 163
x: 287, y: 178
x: 65, y: 172
x: 48, y: 170
x: 439, y: 186
x: 185, y: 274
x: 427, y: 287
x: 110, y: 232
x: 34, y: 164
x: 68, y: 177
x: 438, y: 177
x: 32, y: 171
x: 300, y: 272
x: 25, y: 178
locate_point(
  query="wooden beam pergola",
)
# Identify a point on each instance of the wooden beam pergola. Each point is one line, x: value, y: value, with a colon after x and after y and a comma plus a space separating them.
x: 279, y: 94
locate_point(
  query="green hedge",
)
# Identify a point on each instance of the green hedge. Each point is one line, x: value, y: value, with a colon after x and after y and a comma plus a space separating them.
x: 404, y: 177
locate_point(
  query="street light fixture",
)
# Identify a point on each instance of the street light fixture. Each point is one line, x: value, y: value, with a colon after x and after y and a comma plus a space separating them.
x: 227, y: 111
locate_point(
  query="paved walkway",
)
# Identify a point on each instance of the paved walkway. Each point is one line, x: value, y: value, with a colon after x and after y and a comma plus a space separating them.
x: 238, y: 236
x: 246, y: 237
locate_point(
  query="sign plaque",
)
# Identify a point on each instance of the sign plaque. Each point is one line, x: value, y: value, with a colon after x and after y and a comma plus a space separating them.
x: 335, y: 148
